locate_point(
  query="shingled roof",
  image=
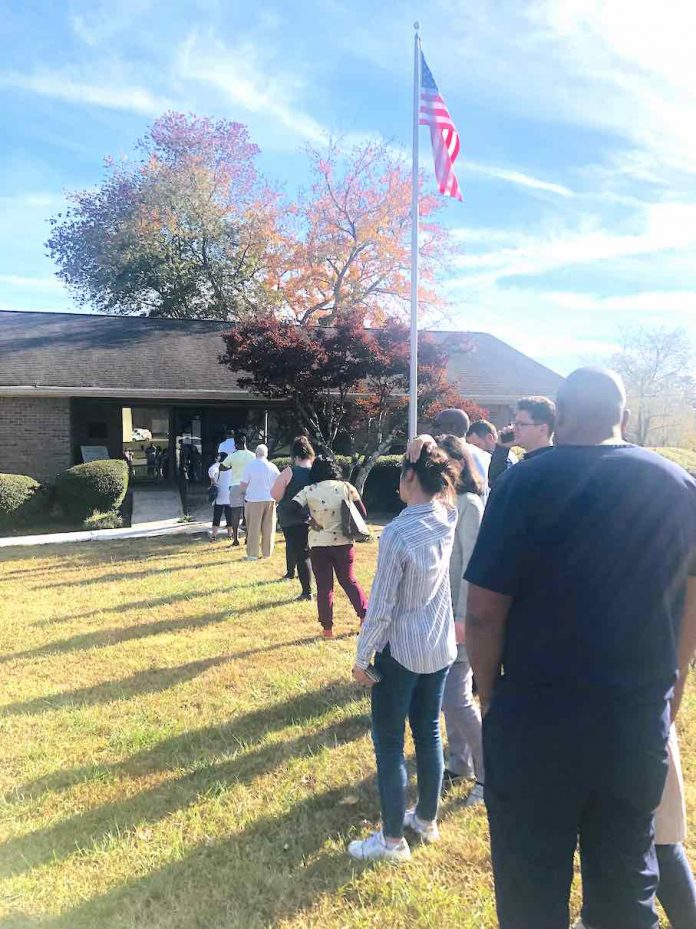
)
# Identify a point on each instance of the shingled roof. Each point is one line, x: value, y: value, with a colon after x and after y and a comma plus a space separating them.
x: 44, y: 353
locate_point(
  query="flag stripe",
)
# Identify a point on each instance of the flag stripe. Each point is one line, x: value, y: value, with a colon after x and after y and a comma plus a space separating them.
x: 433, y: 112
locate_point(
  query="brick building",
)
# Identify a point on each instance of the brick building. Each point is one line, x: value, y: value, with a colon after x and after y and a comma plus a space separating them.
x: 71, y: 381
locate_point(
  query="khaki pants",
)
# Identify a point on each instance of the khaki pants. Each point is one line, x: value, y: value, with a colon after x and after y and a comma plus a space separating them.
x: 261, y: 524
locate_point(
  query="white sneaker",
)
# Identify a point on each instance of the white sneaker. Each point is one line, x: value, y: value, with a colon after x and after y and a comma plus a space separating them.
x: 428, y: 831
x: 374, y: 848
x: 475, y: 795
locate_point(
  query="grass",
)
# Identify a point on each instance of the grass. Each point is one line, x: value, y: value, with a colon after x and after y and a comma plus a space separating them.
x: 180, y: 749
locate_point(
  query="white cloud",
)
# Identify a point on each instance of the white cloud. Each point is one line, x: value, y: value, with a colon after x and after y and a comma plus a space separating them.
x: 241, y: 76
x: 31, y: 283
x: 516, y: 177
x: 111, y: 94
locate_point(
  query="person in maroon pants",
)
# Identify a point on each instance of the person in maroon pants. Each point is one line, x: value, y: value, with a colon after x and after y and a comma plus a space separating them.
x: 332, y: 553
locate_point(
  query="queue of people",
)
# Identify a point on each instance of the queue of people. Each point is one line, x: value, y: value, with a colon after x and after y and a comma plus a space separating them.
x: 580, y: 625
x: 564, y: 586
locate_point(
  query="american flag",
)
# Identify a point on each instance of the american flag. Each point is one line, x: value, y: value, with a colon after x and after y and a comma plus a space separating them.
x: 445, y: 138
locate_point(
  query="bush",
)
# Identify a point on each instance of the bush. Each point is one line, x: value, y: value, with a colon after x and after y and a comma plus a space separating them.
x: 110, y: 520
x: 344, y: 461
x: 381, y: 493
x: 96, y: 485
x: 681, y: 456
x: 20, y: 498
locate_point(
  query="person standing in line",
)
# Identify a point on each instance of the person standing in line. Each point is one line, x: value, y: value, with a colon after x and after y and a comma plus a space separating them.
x: 151, y: 459
x: 228, y: 445
x: 331, y: 552
x: 257, y: 481
x: 581, y: 616
x: 237, y: 462
x: 409, y: 630
x: 462, y: 715
x: 484, y: 435
x: 220, y: 478
x: 534, y: 423
x: 456, y: 422
x: 295, y: 525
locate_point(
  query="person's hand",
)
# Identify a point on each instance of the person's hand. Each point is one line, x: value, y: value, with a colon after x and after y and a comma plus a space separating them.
x: 460, y: 633
x: 416, y: 446
x: 362, y: 678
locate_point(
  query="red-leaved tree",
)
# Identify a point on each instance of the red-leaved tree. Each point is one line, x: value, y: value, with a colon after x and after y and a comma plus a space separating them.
x: 345, y: 378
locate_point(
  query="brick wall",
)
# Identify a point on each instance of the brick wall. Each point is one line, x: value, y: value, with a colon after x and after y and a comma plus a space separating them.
x: 35, y: 436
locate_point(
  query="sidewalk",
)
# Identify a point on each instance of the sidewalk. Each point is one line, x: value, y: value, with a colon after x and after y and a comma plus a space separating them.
x: 156, y: 512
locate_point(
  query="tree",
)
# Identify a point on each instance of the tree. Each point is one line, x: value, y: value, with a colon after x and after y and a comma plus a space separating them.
x: 343, y: 378
x: 350, y: 251
x: 656, y: 365
x: 186, y: 230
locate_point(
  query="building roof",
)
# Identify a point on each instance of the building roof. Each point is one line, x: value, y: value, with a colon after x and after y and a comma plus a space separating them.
x: 76, y: 354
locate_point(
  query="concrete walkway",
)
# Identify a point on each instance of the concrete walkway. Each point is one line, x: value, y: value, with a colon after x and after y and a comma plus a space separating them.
x: 155, y: 504
x: 156, y: 512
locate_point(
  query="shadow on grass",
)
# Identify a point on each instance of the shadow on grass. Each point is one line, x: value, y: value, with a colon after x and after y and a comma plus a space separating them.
x: 154, y: 602
x: 105, y: 637
x: 274, y: 853
x: 130, y: 575
x: 85, y: 830
x: 149, y: 681
x: 199, y: 745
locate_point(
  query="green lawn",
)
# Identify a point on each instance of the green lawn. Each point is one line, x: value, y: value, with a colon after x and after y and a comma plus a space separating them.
x: 180, y: 749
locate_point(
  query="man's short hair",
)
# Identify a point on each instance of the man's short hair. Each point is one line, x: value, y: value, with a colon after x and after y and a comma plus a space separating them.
x: 482, y: 428
x: 451, y: 422
x: 262, y: 451
x: 542, y: 411
x: 240, y: 437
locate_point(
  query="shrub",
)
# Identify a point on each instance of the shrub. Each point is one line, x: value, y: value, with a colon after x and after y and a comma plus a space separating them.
x: 344, y: 461
x: 20, y: 498
x: 381, y: 493
x: 681, y: 456
x: 96, y: 485
x: 97, y: 520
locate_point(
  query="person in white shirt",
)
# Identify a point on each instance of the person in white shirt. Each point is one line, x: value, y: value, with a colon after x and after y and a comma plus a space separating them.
x: 236, y: 463
x: 257, y: 481
x: 409, y: 626
x: 220, y: 478
x: 228, y: 445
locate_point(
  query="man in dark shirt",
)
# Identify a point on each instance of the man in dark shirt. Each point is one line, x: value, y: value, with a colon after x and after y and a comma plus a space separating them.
x: 581, y: 616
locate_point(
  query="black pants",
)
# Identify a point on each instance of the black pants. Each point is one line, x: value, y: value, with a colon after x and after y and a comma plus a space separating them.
x: 563, y: 766
x: 297, y: 554
x: 217, y: 514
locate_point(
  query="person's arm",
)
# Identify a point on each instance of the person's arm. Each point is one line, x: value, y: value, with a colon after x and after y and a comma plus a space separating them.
x: 687, y: 644
x: 486, y: 618
x: 246, y: 477
x: 467, y: 533
x: 280, y: 484
x: 374, y: 632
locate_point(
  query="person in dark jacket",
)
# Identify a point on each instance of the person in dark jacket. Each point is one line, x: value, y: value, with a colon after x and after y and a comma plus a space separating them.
x: 295, y: 524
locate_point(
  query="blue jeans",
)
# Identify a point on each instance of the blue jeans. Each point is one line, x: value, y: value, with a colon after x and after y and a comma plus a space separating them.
x: 564, y: 766
x: 403, y: 694
x: 676, y: 891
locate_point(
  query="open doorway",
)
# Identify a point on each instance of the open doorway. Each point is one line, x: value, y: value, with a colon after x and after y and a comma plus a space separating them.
x: 146, y: 442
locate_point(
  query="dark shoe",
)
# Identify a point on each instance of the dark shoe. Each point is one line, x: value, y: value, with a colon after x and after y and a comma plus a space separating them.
x: 235, y: 544
x: 307, y: 597
x: 288, y: 577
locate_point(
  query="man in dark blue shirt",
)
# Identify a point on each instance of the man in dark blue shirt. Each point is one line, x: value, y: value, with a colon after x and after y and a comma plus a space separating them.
x: 581, y: 614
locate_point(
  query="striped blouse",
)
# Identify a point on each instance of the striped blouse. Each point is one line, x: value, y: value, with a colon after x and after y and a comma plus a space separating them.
x: 410, y: 602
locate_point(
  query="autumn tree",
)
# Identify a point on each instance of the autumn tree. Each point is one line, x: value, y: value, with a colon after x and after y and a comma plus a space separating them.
x: 344, y: 378
x: 185, y: 230
x: 350, y: 250
x: 656, y: 364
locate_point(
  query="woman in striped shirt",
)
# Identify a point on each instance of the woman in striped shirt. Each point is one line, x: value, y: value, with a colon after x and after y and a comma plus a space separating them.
x: 410, y: 629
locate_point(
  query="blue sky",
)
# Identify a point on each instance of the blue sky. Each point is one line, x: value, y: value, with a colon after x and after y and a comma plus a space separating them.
x: 577, y: 119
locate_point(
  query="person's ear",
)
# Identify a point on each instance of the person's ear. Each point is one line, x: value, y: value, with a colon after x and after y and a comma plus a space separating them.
x: 624, y: 421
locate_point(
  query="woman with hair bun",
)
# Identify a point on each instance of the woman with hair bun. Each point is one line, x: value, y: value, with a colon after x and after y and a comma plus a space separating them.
x: 410, y: 630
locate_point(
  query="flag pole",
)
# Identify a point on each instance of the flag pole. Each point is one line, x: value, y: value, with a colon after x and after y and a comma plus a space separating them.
x: 413, y: 373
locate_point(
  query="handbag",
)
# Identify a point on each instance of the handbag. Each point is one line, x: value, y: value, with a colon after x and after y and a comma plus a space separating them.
x: 212, y: 493
x: 353, y: 525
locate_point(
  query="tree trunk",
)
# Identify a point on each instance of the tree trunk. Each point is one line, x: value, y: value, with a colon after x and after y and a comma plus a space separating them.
x: 369, y: 463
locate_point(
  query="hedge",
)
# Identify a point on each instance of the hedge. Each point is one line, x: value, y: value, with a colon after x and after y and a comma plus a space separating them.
x: 96, y: 485
x: 20, y: 498
x: 382, y: 486
x: 343, y: 460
